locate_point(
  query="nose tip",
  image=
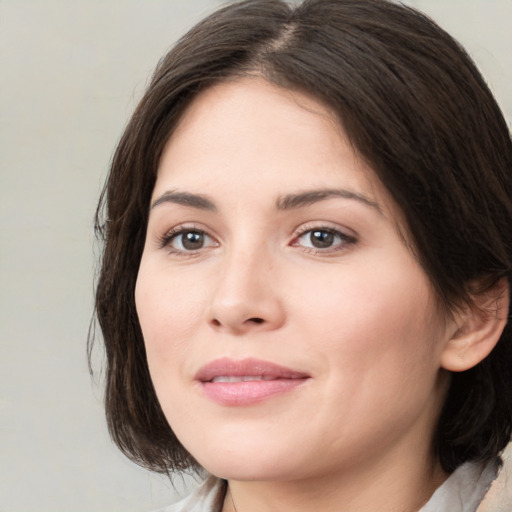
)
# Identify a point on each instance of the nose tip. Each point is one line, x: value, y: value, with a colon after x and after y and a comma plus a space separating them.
x: 244, y: 302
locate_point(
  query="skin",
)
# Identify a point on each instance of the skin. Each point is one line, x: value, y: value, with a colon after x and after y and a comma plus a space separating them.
x: 358, y: 316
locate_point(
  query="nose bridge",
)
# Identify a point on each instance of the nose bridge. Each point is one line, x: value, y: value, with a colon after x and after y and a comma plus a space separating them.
x: 246, y: 297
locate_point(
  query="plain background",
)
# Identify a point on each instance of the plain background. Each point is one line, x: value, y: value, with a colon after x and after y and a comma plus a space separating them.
x: 71, y: 72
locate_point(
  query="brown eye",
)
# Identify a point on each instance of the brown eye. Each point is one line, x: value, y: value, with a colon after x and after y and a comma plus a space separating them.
x: 192, y: 240
x: 188, y: 240
x: 321, y: 239
x: 324, y: 240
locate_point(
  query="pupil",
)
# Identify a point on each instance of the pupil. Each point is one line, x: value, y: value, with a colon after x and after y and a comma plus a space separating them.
x: 321, y: 239
x: 193, y: 240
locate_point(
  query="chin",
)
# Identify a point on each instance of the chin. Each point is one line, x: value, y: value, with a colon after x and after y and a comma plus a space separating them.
x: 247, y: 469
x: 252, y: 460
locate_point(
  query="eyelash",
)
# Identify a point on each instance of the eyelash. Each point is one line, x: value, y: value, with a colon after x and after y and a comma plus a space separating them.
x: 166, y: 240
x: 345, y: 240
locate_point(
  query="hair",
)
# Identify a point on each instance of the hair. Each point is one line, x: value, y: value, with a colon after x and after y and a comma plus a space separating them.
x: 414, y: 106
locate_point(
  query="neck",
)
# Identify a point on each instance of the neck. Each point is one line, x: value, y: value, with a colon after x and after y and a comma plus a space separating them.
x: 394, y: 489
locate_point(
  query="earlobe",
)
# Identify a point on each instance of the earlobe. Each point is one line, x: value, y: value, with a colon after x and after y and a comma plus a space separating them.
x: 478, y: 329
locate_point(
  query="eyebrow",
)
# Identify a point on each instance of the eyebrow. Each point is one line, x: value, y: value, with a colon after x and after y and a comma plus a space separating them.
x: 309, y: 197
x: 286, y: 202
x: 185, y: 199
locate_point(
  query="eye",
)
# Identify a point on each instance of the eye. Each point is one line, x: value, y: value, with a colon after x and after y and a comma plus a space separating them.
x: 319, y: 239
x: 323, y: 239
x: 187, y: 240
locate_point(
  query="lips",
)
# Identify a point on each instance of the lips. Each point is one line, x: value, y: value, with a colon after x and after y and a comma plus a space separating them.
x: 248, y: 381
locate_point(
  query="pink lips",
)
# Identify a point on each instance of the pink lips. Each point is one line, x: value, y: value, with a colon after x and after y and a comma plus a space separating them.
x: 231, y: 382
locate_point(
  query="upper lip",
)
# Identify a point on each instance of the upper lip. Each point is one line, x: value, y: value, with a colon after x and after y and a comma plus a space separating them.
x: 226, y: 367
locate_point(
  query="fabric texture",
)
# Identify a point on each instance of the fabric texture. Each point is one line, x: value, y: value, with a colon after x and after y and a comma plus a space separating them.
x: 463, y: 491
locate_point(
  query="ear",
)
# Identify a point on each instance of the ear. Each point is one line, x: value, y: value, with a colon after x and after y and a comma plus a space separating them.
x: 477, y: 329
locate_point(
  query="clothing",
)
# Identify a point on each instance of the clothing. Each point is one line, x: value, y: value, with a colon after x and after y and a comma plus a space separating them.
x: 463, y: 491
x: 208, y: 497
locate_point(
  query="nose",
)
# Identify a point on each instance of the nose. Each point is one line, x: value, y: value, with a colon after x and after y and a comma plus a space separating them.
x: 247, y: 298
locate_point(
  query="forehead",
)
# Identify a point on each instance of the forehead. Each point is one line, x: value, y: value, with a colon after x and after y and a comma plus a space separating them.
x: 246, y: 134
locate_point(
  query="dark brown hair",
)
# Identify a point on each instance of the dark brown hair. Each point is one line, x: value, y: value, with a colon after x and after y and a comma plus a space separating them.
x: 414, y: 106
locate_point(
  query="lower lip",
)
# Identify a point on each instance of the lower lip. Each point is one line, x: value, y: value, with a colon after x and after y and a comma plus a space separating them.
x: 249, y: 392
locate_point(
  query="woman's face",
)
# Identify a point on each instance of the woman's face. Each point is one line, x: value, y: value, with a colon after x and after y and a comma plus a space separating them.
x: 289, y: 331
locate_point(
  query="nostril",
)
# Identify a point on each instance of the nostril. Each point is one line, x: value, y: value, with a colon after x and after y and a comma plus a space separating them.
x: 236, y: 324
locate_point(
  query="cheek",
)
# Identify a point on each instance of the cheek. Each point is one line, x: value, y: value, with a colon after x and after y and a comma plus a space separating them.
x: 386, y: 318
x: 376, y: 341
x: 168, y: 312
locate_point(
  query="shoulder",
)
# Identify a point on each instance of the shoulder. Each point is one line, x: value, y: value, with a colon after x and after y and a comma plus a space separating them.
x: 208, y: 497
x: 499, y: 496
x: 474, y: 487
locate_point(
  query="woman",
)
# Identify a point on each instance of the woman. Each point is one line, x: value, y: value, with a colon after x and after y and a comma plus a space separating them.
x: 305, y: 282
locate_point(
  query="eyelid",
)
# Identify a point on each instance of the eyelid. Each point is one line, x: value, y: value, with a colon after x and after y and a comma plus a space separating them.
x: 324, y: 225
x: 348, y: 239
x: 164, y: 241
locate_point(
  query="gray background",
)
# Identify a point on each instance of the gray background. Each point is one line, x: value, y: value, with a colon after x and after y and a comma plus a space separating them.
x: 71, y: 71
